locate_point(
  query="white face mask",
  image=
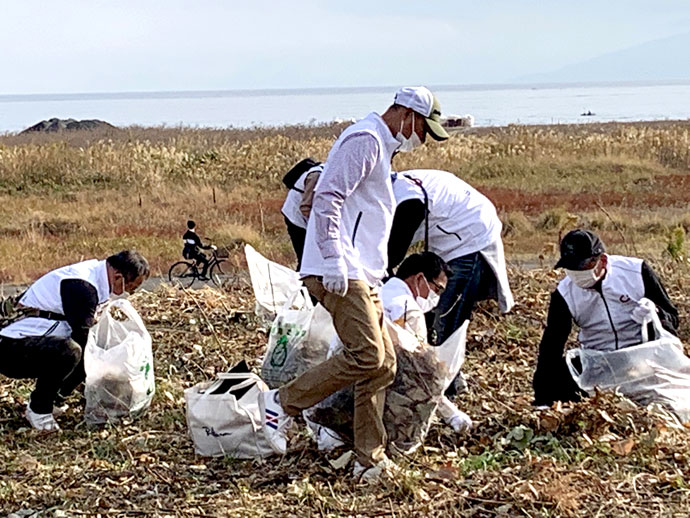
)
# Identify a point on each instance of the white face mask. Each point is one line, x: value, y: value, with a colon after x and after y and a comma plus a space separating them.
x: 122, y: 295
x: 431, y: 300
x: 583, y: 278
x: 408, y: 144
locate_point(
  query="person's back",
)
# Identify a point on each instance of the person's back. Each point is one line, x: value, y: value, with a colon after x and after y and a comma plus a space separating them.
x: 461, y: 219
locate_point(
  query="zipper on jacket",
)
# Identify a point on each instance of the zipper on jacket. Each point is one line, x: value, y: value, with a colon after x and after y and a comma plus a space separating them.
x: 613, y: 328
x: 449, y: 233
x: 354, y: 232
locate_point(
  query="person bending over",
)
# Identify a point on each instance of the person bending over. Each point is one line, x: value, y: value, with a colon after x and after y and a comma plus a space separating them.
x: 47, y: 340
x: 609, y: 297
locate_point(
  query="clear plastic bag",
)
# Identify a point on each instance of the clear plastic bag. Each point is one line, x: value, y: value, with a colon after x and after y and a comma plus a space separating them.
x: 423, y: 374
x: 651, y: 372
x: 118, y: 360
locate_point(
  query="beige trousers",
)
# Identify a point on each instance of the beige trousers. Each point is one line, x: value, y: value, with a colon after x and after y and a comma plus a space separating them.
x: 367, y: 361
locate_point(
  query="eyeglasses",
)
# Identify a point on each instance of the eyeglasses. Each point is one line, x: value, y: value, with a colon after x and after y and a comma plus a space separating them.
x: 439, y: 287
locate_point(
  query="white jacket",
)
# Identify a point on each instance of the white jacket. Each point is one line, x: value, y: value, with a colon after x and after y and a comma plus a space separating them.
x: 461, y: 219
x: 605, y: 319
x: 353, y: 226
x: 44, y: 294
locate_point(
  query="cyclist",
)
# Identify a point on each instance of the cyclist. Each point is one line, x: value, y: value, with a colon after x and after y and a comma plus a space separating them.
x: 193, y: 246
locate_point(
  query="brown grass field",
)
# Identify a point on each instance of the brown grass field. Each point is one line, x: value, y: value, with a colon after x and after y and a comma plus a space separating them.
x: 68, y: 197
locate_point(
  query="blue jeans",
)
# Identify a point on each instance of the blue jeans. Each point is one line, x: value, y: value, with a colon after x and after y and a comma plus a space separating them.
x: 471, y: 280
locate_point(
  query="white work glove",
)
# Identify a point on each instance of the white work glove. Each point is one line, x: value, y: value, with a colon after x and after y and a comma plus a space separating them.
x: 644, y: 311
x: 214, y: 247
x: 335, y: 278
x: 460, y: 422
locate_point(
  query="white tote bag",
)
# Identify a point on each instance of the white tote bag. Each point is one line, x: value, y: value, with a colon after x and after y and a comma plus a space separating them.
x: 118, y: 360
x: 651, y: 372
x: 228, y: 423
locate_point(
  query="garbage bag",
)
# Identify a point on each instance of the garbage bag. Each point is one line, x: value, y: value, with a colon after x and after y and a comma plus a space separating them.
x: 273, y: 283
x: 652, y: 372
x: 423, y: 374
x: 118, y: 360
x: 298, y: 339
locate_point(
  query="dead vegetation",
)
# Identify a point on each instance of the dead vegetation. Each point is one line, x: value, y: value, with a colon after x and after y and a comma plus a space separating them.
x: 602, y: 457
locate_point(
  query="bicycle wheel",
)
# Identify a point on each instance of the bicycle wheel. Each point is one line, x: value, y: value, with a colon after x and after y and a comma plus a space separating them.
x: 217, y: 274
x: 182, y: 273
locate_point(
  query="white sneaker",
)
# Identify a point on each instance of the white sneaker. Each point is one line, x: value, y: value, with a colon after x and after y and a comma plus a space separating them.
x: 275, y: 420
x: 460, y: 422
x: 42, y: 422
x: 369, y: 474
x: 326, y: 439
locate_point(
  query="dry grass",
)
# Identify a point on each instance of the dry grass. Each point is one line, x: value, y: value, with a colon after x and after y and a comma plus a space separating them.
x: 83, y: 194
x: 598, y: 458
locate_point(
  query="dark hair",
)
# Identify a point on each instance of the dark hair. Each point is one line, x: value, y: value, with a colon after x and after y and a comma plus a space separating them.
x: 191, y: 224
x: 428, y: 263
x: 131, y: 264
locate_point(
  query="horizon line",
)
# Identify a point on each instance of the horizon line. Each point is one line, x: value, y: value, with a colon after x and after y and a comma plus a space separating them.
x: 325, y: 90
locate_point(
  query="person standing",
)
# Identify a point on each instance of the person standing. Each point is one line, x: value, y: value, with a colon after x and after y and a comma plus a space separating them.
x: 56, y: 312
x: 344, y: 260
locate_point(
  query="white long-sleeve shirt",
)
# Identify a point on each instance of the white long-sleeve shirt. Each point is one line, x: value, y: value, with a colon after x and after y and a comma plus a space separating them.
x: 353, y: 206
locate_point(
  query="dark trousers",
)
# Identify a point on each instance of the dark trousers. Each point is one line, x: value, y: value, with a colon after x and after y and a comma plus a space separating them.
x: 55, y: 362
x: 297, y: 235
x: 471, y: 280
x: 201, y: 259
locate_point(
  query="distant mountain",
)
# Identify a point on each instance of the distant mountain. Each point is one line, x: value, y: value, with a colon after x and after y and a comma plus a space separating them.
x: 658, y: 60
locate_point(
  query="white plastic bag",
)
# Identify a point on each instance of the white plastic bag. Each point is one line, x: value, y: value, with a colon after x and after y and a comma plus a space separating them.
x: 228, y: 423
x: 118, y: 360
x: 451, y: 353
x: 651, y: 372
x: 411, y: 400
x: 298, y: 339
x: 273, y: 283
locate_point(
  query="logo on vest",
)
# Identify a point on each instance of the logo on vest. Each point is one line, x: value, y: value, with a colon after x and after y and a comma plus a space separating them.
x: 624, y: 299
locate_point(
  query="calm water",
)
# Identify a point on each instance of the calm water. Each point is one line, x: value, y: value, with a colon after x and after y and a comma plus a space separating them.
x: 490, y: 105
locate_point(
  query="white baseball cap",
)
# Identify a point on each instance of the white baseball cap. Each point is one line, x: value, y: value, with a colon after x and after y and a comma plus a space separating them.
x: 422, y: 101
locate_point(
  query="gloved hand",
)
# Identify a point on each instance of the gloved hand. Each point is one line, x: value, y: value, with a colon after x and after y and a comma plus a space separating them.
x: 214, y: 247
x: 644, y: 311
x: 460, y: 422
x: 335, y: 278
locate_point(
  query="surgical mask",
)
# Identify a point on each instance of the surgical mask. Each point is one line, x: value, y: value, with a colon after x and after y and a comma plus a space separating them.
x: 122, y: 295
x: 431, y: 300
x: 408, y: 144
x: 583, y: 278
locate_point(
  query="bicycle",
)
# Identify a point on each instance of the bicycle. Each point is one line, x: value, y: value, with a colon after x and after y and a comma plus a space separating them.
x: 186, y: 272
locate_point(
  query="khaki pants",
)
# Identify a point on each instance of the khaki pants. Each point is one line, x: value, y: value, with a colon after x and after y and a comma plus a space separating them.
x: 368, y: 362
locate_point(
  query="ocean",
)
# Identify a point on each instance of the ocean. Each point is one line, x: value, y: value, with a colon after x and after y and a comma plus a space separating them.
x: 491, y: 105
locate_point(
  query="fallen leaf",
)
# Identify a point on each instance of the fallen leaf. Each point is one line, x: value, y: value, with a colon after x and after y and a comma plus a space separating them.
x: 623, y: 447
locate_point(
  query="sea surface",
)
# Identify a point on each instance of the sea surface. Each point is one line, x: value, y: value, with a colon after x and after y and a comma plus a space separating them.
x: 491, y: 105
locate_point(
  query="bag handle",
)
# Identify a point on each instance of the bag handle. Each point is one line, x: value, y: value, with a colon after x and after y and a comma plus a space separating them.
x: 250, y: 378
x: 304, y: 293
x: 658, y: 329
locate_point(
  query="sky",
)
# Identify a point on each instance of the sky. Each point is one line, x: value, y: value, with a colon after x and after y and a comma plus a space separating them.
x: 83, y: 46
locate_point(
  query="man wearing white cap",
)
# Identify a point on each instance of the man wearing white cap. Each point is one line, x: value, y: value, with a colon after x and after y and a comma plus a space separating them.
x: 344, y: 259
